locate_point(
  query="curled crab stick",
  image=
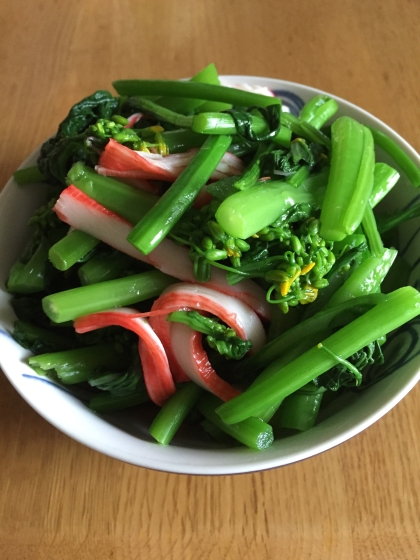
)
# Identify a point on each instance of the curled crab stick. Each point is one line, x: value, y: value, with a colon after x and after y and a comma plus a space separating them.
x: 117, y: 160
x: 195, y: 365
x: 157, y: 375
x: 85, y: 214
x: 194, y: 361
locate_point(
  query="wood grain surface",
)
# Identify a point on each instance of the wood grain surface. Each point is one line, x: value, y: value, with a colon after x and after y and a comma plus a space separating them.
x: 62, y: 501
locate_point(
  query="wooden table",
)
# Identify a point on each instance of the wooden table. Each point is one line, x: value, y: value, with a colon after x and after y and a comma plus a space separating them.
x: 62, y: 501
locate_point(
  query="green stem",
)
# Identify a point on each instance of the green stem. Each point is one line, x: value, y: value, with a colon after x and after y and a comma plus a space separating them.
x: 174, y: 412
x: 371, y: 230
x: 252, y: 432
x: 28, y: 175
x: 191, y: 90
x: 71, y: 249
x: 404, y: 161
x: 88, y: 358
x: 207, y: 75
x: 384, y: 178
x: 350, y: 180
x: 302, y: 336
x: 107, y: 402
x: 130, y: 203
x: 103, y: 268
x: 299, y: 411
x: 318, y: 110
x: 365, y: 279
x: 223, y: 123
x: 30, y: 277
x: 70, y: 304
x: 246, y: 212
x: 159, y: 221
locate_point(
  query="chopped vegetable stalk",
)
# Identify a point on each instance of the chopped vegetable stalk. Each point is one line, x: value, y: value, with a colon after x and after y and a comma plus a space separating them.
x: 157, y: 223
x: 103, y: 268
x: 107, y: 402
x: 173, y: 413
x: 252, y: 432
x: 350, y: 181
x: 190, y: 90
x: 318, y: 110
x: 400, y: 157
x: 28, y: 175
x: 365, y: 279
x: 67, y: 305
x: 71, y: 249
x: 245, y: 213
x: 384, y: 179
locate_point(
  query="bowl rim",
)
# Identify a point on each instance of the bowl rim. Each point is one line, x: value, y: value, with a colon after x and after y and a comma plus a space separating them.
x: 210, y: 461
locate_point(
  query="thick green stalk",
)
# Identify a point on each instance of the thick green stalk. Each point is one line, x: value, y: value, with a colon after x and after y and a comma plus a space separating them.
x: 350, y: 180
x: 162, y: 113
x: 174, y: 412
x: 181, y: 140
x: 384, y: 178
x: 28, y: 175
x: 191, y: 90
x: 400, y: 307
x: 371, y: 231
x: 303, y: 336
x: 107, y: 402
x: 30, y: 277
x: 366, y: 278
x: 207, y: 75
x: 246, y: 212
x: 318, y: 110
x: 159, y: 221
x: 71, y: 249
x: 223, y: 123
x: 299, y: 411
x: 304, y: 130
x: 404, y: 161
x: 130, y: 203
x: 252, y: 432
x: 100, y: 268
x: 90, y: 358
x: 70, y: 304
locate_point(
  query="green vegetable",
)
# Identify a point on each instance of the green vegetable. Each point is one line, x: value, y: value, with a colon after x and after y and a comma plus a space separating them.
x: 173, y: 413
x: 401, y: 306
x: 70, y: 304
x: 350, y: 181
x: 247, y: 212
x: 190, y: 90
x: 28, y: 175
x: 150, y: 231
x: 252, y: 432
x: 68, y: 146
x: 132, y: 204
x: 71, y: 249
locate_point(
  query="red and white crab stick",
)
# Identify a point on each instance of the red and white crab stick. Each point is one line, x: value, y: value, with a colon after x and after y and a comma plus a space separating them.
x: 186, y: 355
x: 81, y: 212
x: 157, y: 375
x: 120, y: 161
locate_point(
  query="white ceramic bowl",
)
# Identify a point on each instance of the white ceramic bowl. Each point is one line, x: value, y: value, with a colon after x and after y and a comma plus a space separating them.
x: 124, y: 435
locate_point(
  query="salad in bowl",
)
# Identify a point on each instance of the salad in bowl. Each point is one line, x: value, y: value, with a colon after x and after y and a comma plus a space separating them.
x: 214, y: 275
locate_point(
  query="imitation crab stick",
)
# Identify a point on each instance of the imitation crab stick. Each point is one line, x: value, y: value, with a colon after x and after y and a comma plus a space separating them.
x: 120, y: 161
x: 83, y: 213
x: 157, y: 375
x: 193, y: 364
